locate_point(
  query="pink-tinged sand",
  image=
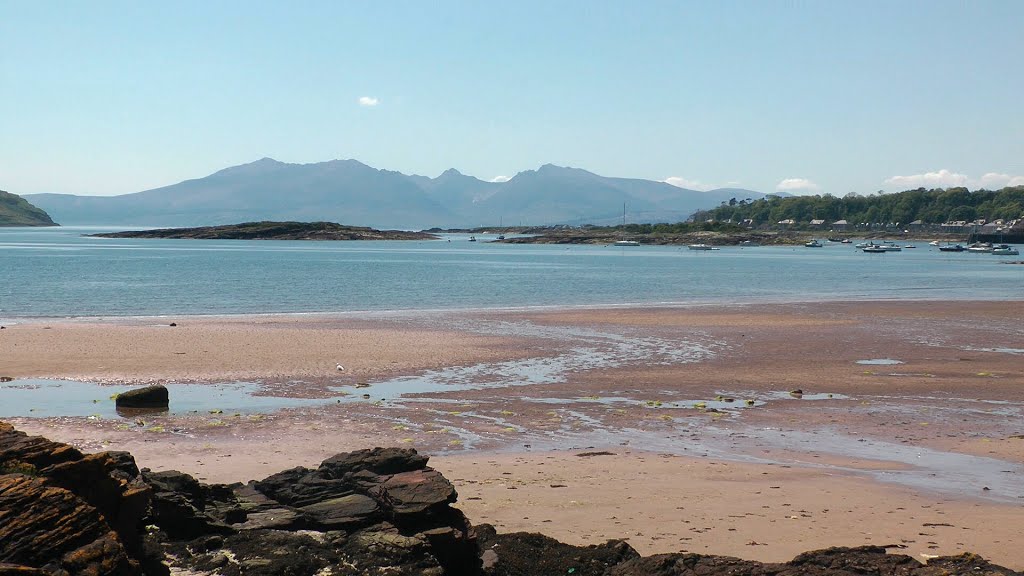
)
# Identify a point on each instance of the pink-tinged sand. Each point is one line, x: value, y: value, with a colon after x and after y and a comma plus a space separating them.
x: 661, y: 503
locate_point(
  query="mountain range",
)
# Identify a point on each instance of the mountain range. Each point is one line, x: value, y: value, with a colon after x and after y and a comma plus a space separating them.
x: 351, y: 192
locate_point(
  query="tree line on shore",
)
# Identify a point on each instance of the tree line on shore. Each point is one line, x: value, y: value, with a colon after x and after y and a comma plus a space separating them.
x: 934, y: 206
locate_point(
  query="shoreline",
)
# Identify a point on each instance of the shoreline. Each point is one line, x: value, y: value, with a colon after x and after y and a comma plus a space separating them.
x: 530, y: 389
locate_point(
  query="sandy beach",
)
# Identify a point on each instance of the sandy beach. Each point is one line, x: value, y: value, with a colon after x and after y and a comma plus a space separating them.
x: 907, y: 430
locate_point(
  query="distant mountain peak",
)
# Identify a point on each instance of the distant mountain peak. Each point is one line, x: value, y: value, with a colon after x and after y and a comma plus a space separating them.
x: 346, y: 190
x: 262, y: 165
x: 554, y: 169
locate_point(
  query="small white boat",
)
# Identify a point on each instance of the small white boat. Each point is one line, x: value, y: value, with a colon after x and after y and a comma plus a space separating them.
x: 846, y: 241
x: 813, y: 244
x: 1005, y: 250
x: 748, y: 244
x: 874, y: 249
x: 935, y: 243
x: 626, y: 243
x: 980, y: 247
x: 701, y: 247
x: 910, y: 246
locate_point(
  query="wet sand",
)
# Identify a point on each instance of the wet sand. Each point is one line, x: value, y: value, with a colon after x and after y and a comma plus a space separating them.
x: 922, y: 453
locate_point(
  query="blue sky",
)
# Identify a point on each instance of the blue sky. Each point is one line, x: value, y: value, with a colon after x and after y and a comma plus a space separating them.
x: 803, y: 96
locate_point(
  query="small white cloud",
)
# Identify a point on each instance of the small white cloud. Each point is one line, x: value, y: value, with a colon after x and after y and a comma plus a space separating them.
x: 368, y: 101
x: 797, y: 185
x: 941, y: 179
x: 680, y: 182
x: 995, y: 181
x: 500, y: 179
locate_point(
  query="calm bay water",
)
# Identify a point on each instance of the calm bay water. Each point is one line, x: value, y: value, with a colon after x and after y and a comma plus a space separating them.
x: 58, y: 272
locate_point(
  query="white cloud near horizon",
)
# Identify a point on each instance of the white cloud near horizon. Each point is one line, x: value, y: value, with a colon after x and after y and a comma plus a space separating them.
x: 995, y: 180
x: 941, y: 179
x: 948, y: 179
x: 680, y: 182
x: 500, y: 179
x: 797, y: 184
x: 368, y: 101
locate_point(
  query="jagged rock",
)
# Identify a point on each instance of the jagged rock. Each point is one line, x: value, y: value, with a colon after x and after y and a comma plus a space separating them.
x: 262, y: 553
x: 380, y: 461
x: 33, y: 450
x: 149, y: 397
x: 107, y: 483
x: 340, y: 475
x: 262, y: 513
x: 186, y: 509
x: 51, y: 528
x: 522, y: 554
x: 859, y: 561
x: 347, y: 511
x: 966, y: 563
x: 691, y: 565
x: 19, y: 570
x: 416, y: 492
x: 380, y: 508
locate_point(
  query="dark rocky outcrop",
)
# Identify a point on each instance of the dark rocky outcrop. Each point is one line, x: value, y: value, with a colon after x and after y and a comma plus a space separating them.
x: 67, y: 512
x: 524, y: 553
x: 379, y: 511
x: 274, y: 231
x: 864, y: 560
x: 153, y: 397
x: 369, y: 509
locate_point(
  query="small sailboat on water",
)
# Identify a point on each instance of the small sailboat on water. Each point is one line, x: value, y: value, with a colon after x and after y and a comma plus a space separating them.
x: 625, y: 242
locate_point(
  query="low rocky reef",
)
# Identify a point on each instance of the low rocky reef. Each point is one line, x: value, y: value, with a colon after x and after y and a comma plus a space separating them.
x: 274, y: 231
x: 380, y: 511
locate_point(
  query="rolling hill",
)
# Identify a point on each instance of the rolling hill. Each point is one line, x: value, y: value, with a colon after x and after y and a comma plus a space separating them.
x: 16, y: 211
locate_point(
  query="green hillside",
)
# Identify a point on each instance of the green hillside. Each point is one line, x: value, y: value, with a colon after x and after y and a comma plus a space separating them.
x: 929, y: 206
x: 16, y: 211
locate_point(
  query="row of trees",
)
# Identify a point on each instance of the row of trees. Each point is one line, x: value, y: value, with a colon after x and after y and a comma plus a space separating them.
x: 930, y: 206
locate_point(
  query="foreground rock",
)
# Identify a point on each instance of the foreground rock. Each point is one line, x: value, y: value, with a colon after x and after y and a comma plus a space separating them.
x: 358, y: 512
x: 66, y: 512
x: 379, y: 511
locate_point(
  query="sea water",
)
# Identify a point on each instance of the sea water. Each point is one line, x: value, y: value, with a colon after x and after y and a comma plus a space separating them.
x: 60, y: 272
